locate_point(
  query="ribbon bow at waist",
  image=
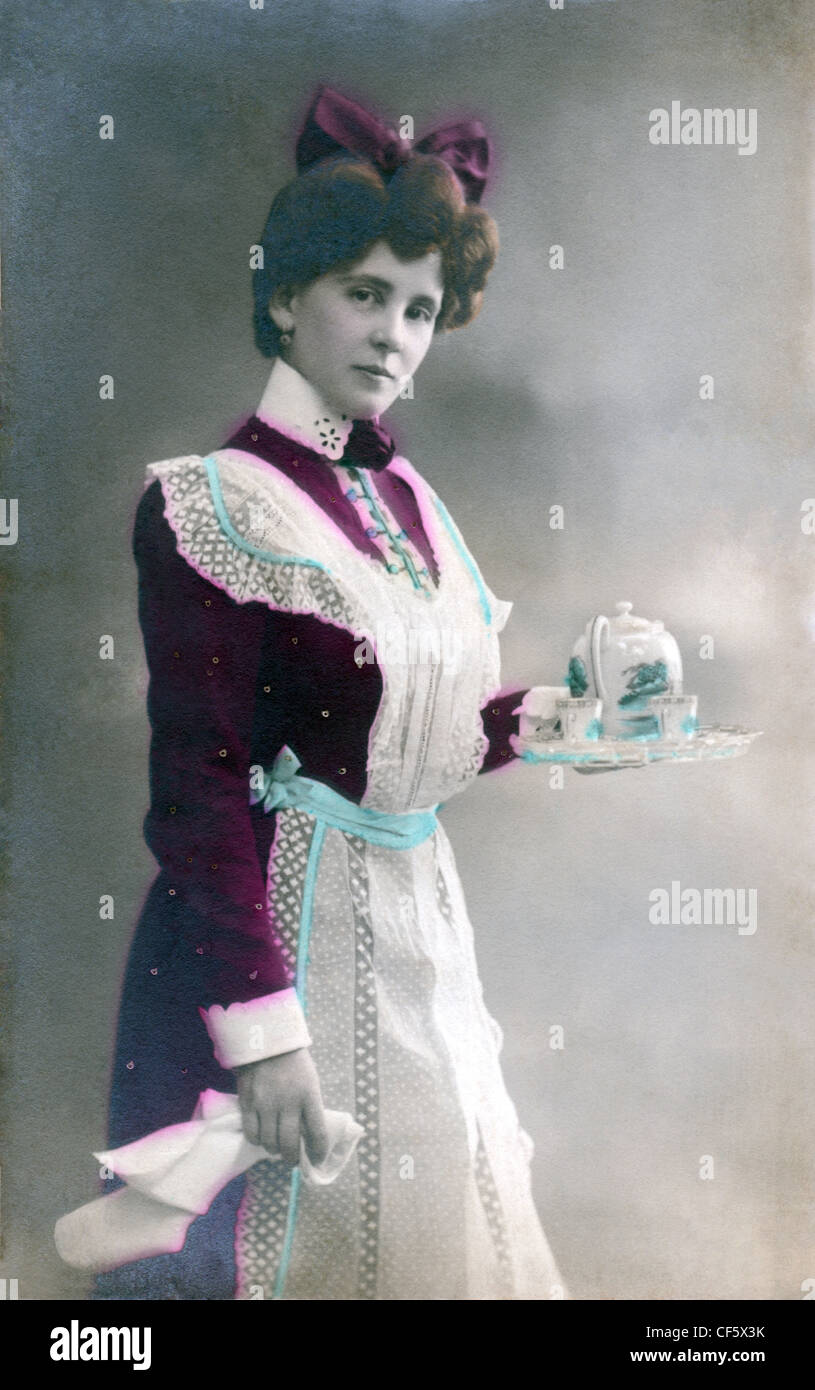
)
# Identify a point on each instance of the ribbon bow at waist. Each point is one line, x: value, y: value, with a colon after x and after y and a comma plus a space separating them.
x: 284, y: 787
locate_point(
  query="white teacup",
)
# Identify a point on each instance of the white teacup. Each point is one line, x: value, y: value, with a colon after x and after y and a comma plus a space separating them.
x: 676, y: 715
x: 539, y: 712
x: 580, y: 719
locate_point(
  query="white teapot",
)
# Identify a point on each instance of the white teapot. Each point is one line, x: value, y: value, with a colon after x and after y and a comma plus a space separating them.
x: 625, y: 661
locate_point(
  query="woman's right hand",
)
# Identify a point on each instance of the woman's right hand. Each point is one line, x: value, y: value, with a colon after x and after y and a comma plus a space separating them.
x: 280, y: 1098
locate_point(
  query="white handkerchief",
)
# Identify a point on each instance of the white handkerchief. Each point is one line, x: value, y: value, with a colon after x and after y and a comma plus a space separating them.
x: 173, y: 1175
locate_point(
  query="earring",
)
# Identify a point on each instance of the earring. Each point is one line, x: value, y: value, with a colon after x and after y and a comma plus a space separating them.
x: 285, y: 338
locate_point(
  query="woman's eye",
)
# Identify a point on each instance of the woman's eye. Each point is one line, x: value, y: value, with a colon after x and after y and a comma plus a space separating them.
x: 418, y: 311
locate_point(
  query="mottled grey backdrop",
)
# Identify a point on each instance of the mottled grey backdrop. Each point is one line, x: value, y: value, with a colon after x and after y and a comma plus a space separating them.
x: 577, y: 387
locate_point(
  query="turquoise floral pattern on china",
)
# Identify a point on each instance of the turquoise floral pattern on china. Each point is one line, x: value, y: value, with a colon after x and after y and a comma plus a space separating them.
x: 645, y: 727
x: 647, y: 680
x: 576, y: 678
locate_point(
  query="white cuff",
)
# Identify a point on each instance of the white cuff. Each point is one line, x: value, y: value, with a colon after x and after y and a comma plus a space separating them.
x: 265, y: 1027
x: 539, y: 701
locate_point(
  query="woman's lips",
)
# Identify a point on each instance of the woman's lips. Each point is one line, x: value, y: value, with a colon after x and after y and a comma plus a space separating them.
x: 373, y: 376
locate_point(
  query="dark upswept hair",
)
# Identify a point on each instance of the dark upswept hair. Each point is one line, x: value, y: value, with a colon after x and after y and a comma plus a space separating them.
x: 329, y: 217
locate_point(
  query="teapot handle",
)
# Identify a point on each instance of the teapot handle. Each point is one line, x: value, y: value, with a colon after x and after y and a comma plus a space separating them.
x: 599, y: 627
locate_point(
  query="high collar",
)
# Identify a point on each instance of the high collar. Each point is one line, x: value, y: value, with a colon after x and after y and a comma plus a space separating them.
x: 292, y: 406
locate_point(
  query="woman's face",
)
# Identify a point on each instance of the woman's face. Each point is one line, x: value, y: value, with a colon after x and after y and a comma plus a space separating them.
x: 378, y: 314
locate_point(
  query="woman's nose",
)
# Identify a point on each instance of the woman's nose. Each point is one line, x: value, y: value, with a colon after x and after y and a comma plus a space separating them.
x: 388, y: 333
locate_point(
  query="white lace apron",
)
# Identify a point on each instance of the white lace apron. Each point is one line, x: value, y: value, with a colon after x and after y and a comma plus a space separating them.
x: 436, y: 1203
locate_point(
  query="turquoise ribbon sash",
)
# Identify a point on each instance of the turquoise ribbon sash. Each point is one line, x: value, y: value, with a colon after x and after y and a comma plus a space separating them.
x: 282, y: 786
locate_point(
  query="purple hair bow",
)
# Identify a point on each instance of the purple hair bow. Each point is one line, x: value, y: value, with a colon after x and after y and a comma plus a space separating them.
x: 335, y: 123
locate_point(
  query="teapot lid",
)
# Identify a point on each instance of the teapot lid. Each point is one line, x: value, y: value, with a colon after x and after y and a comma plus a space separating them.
x: 626, y: 620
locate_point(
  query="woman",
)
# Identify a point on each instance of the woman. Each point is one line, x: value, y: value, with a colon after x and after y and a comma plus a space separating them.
x: 324, y: 665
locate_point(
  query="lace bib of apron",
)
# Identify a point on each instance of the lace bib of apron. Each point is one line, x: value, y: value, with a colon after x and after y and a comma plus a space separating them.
x: 247, y: 528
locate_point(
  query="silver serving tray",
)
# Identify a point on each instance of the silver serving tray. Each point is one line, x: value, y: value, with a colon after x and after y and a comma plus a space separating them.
x: 710, y: 741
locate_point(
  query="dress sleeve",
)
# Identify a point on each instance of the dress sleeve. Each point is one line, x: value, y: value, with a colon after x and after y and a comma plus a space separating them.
x: 499, y: 723
x: 203, y: 651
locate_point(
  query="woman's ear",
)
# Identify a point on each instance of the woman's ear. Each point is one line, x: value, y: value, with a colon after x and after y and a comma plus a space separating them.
x: 280, y: 308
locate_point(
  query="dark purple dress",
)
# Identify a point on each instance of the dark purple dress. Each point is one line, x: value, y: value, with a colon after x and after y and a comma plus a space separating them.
x: 250, y: 679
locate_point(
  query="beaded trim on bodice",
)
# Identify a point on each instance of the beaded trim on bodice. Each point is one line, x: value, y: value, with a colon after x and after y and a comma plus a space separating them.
x: 254, y: 533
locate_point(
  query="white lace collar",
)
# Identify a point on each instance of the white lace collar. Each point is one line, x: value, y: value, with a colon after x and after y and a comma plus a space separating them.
x: 291, y: 405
